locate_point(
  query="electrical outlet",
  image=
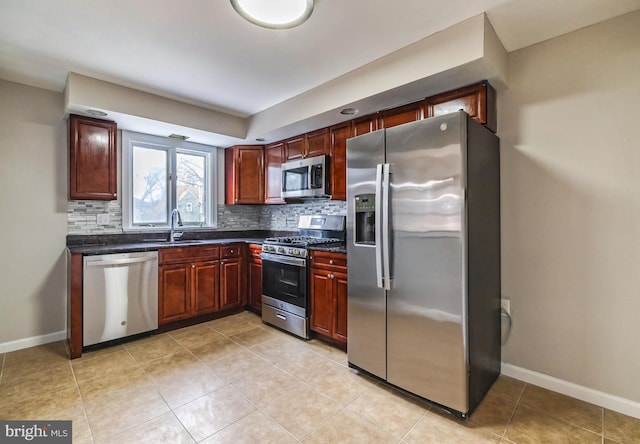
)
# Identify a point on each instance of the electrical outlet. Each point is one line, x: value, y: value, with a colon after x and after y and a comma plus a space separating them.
x: 505, y: 304
x: 102, y: 219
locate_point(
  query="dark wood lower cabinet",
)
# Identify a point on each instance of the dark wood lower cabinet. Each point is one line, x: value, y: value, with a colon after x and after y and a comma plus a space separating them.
x: 231, y: 283
x: 174, y: 292
x: 328, y: 295
x: 188, y: 283
x: 255, y: 278
x: 205, y: 287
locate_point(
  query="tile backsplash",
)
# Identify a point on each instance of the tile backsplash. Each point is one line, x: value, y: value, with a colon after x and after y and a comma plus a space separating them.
x: 83, y: 215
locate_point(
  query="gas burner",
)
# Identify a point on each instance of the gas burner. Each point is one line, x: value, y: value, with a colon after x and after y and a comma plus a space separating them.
x: 300, y: 241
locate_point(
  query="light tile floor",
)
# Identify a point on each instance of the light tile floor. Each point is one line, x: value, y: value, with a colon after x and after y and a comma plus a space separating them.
x: 235, y: 380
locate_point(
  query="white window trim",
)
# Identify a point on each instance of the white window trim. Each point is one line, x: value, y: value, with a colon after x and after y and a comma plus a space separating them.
x: 129, y: 138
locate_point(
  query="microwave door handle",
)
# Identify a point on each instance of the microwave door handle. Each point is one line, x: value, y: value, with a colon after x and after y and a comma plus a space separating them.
x: 378, y: 226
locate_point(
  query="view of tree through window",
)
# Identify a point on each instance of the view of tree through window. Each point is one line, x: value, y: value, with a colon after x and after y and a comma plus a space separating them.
x: 190, y: 187
x: 161, y: 174
x: 149, y: 186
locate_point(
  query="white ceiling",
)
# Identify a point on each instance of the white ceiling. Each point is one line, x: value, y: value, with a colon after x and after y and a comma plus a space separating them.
x: 202, y: 52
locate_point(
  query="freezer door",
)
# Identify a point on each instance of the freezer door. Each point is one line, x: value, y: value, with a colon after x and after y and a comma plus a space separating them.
x: 426, y: 346
x: 366, y: 312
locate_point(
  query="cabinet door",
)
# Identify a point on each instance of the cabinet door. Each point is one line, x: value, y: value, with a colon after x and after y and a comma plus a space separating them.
x: 364, y: 125
x: 338, y: 155
x: 231, y: 294
x: 401, y: 114
x: 340, y: 304
x: 255, y: 284
x: 205, y: 287
x: 273, y: 158
x: 294, y: 148
x: 477, y: 100
x: 317, y: 143
x: 174, y: 299
x: 249, y: 178
x: 321, y: 303
x: 244, y: 175
x: 93, y: 163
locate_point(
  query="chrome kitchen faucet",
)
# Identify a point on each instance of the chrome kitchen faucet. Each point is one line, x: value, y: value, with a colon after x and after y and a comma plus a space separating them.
x: 175, y: 214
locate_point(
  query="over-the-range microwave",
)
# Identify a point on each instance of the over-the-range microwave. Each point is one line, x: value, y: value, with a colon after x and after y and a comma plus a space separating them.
x: 305, y: 177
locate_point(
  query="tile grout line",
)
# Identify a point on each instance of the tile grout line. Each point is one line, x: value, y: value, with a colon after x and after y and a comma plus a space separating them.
x: 513, y: 413
x: 427, y: 409
x: 558, y: 419
x: 84, y: 408
x: 298, y: 379
x: 153, y: 384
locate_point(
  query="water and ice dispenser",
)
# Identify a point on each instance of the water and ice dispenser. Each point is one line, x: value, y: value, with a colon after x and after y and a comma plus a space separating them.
x: 365, y: 219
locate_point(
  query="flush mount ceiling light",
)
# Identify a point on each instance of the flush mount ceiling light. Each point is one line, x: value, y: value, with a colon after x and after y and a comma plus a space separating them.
x: 349, y: 111
x: 274, y: 14
x: 96, y: 112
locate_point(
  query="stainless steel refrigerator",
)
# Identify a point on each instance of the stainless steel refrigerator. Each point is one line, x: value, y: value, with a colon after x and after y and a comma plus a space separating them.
x: 423, y: 244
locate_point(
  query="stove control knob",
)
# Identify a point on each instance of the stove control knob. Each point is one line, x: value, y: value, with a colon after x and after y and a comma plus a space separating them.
x: 280, y: 250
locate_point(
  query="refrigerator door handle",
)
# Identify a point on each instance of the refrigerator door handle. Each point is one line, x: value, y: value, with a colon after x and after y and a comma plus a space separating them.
x: 378, y: 224
x: 386, y: 251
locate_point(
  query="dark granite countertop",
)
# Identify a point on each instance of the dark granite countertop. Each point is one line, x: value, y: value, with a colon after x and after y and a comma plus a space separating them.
x: 126, y: 243
x: 334, y: 248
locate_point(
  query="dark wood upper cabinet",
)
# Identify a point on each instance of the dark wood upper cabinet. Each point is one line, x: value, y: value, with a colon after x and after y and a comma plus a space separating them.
x: 294, y: 148
x: 244, y: 174
x: 365, y: 124
x: 273, y: 158
x: 317, y: 142
x: 253, y: 173
x: 478, y: 100
x: 312, y: 144
x: 93, y: 160
x: 338, y: 135
x: 401, y: 114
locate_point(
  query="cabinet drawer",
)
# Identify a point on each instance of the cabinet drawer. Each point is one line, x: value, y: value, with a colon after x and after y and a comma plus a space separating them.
x: 329, y: 261
x: 229, y: 251
x: 187, y: 254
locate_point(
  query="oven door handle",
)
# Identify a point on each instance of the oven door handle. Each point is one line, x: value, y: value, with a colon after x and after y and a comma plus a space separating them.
x: 284, y: 259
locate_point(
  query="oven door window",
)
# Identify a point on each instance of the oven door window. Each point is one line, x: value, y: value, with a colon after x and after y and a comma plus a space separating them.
x: 296, y: 179
x: 287, y: 283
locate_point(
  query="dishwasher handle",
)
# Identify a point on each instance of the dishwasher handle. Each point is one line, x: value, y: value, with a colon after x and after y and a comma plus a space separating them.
x: 124, y: 261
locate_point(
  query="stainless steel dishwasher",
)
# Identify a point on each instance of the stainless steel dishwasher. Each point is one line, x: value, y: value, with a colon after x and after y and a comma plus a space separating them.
x: 120, y: 296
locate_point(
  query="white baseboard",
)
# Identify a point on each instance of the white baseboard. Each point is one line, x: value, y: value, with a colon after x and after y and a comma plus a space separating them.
x: 602, y: 399
x: 19, y: 344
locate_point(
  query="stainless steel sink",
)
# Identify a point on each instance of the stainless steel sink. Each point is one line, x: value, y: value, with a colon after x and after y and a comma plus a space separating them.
x: 175, y: 241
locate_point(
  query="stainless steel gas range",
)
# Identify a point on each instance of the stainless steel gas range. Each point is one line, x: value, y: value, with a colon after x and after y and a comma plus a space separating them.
x: 285, y: 271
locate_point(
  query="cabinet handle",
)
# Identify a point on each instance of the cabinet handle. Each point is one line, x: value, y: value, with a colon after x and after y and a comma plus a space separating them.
x: 330, y: 261
x: 193, y: 266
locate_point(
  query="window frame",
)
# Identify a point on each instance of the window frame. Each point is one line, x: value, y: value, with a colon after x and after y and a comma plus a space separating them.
x: 172, y: 147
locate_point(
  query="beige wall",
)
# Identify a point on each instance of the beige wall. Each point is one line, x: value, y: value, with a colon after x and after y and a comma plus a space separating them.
x: 569, y: 126
x: 33, y: 215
